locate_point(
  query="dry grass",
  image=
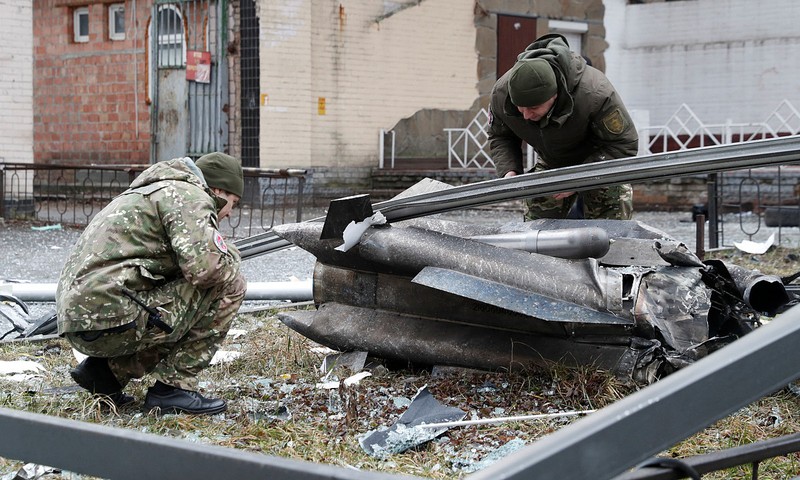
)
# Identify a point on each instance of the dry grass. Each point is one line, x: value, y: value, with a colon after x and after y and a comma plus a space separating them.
x: 276, y: 408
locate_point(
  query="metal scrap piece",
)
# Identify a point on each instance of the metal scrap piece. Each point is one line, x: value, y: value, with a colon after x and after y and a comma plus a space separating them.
x: 401, y: 436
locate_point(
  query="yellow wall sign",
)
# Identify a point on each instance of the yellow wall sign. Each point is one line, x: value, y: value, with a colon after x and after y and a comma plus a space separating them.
x: 264, y: 98
x: 320, y: 105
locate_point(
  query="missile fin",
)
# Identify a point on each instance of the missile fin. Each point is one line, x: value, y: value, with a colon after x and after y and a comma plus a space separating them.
x: 513, y: 299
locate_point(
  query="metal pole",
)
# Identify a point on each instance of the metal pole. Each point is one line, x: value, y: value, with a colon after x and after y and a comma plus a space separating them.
x: 700, y: 237
x: 381, y: 147
x: 2, y: 191
x: 293, y: 291
x: 713, y: 214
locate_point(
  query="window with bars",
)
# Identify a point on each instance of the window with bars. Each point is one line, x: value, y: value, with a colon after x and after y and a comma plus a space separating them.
x: 170, y: 37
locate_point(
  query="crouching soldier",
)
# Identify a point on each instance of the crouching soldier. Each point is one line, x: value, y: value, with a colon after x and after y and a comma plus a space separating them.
x: 152, y: 287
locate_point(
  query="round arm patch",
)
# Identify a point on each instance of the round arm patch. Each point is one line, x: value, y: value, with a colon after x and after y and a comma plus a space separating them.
x: 219, y: 242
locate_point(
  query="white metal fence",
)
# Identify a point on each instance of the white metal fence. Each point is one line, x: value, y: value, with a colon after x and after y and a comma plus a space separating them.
x: 468, y: 147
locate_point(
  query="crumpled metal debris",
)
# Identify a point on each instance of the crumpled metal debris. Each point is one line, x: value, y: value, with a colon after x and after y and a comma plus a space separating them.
x: 15, y: 321
x: 403, y: 435
x: 30, y: 471
x: 355, y: 361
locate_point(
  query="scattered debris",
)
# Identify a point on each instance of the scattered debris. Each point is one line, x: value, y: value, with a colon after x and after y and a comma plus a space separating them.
x: 755, y: 248
x: 501, y: 452
x: 30, y: 471
x: 225, y: 356
x: 355, y: 361
x: 15, y: 321
x: 349, y: 381
x: 235, y: 333
x: 402, y: 435
x: 19, y: 370
x: 43, y: 228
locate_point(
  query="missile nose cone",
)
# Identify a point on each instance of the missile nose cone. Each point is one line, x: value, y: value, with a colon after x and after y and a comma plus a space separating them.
x: 305, y: 235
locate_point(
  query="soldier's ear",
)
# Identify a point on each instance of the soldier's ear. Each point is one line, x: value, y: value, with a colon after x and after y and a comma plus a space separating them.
x: 219, y: 201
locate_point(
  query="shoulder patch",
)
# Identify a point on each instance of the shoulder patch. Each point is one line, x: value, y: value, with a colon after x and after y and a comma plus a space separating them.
x: 219, y: 242
x: 614, y: 122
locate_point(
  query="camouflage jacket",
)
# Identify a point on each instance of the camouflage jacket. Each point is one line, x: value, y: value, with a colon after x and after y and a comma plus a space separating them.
x: 163, y: 228
x: 587, y: 123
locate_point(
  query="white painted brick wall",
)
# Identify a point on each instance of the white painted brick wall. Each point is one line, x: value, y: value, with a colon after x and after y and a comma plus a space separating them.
x: 371, y: 73
x: 16, y: 82
x: 725, y: 59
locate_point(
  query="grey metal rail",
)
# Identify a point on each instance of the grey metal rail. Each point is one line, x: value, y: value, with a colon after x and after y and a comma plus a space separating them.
x: 752, y: 453
x: 660, y: 166
x: 600, y: 446
x: 614, y: 439
x: 121, y: 454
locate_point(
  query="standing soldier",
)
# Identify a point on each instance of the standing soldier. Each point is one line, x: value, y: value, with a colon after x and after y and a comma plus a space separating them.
x: 570, y: 114
x: 152, y: 287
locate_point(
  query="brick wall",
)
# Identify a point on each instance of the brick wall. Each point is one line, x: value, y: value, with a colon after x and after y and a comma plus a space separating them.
x: 90, y: 103
x: 16, y: 82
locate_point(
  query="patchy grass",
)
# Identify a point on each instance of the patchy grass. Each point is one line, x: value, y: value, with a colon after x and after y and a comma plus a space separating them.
x: 276, y: 408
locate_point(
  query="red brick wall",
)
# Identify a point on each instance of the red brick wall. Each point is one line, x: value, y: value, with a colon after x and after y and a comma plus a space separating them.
x: 86, y: 108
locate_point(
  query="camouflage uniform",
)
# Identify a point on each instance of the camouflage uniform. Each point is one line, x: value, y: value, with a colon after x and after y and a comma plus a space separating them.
x: 588, y: 123
x: 160, y: 240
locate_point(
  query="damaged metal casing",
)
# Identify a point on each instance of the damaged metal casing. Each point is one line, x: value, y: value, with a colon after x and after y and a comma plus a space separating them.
x: 433, y: 292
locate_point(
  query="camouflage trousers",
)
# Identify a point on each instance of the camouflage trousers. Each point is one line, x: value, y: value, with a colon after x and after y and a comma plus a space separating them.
x: 200, y: 320
x: 615, y: 203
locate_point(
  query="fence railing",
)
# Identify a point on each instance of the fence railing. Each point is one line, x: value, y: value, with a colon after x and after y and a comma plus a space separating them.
x: 746, y: 192
x: 73, y: 195
x: 468, y: 147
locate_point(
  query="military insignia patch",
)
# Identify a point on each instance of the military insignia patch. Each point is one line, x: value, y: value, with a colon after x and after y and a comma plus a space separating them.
x: 614, y: 122
x: 219, y: 242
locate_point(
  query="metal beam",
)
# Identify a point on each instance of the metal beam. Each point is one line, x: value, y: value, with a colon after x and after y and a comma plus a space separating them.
x: 122, y: 454
x: 622, y: 435
x: 761, y: 153
x: 755, y: 452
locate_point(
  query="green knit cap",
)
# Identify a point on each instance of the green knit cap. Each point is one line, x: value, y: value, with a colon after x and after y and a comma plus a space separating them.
x: 223, y: 172
x: 531, y: 82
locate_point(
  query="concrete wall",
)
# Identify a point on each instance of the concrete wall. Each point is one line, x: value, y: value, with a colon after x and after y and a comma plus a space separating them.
x: 725, y: 59
x: 16, y: 82
x: 372, y: 65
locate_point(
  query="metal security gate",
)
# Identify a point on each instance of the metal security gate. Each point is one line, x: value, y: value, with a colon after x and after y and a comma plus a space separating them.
x: 250, y: 84
x: 189, y: 77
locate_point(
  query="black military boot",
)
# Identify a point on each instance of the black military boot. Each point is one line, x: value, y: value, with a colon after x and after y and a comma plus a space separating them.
x: 169, y: 399
x: 94, y: 375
